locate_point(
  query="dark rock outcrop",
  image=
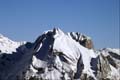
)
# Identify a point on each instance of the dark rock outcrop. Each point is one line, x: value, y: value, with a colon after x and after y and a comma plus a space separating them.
x: 56, y: 55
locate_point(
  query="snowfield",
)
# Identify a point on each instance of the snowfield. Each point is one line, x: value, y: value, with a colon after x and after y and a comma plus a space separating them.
x: 56, y: 55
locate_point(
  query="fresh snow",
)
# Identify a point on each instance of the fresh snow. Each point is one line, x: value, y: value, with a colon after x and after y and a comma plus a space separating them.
x: 57, y: 55
x: 7, y: 45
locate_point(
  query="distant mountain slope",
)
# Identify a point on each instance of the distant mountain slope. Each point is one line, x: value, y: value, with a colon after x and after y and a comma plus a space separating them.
x: 56, y: 55
x: 7, y: 45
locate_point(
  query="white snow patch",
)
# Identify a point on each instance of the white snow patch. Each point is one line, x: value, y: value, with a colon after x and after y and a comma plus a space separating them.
x: 7, y: 45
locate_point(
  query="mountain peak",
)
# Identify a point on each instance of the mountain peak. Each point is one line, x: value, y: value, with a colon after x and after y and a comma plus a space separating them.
x: 56, y: 55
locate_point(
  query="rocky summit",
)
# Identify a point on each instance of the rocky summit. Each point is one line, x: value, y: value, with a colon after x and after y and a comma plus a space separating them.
x: 56, y: 55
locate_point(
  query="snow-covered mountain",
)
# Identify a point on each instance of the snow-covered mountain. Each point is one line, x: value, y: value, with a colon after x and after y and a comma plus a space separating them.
x: 7, y: 45
x: 56, y: 55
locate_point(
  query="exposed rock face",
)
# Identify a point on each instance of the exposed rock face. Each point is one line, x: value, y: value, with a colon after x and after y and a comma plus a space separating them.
x: 56, y: 55
x: 82, y: 39
x: 110, y: 64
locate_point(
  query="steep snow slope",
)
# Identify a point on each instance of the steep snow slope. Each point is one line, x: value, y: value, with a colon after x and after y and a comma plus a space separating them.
x: 56, y: 55
x: 62, y: 53
x: 7, y: 45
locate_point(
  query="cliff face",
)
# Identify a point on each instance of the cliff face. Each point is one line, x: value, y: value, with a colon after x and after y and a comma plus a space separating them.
x: 56, y: 55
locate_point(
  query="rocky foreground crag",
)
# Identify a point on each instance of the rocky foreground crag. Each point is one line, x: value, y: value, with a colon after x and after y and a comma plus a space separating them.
x: 56, y: 55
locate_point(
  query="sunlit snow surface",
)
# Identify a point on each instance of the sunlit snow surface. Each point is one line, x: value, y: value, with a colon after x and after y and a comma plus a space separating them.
x: 7, y: 45
x: 56, y: 55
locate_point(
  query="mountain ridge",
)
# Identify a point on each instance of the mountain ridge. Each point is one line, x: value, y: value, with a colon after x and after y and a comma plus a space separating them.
x: 56, y: 55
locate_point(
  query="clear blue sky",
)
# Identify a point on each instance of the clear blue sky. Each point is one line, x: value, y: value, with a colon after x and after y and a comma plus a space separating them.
x: 25, y: 20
